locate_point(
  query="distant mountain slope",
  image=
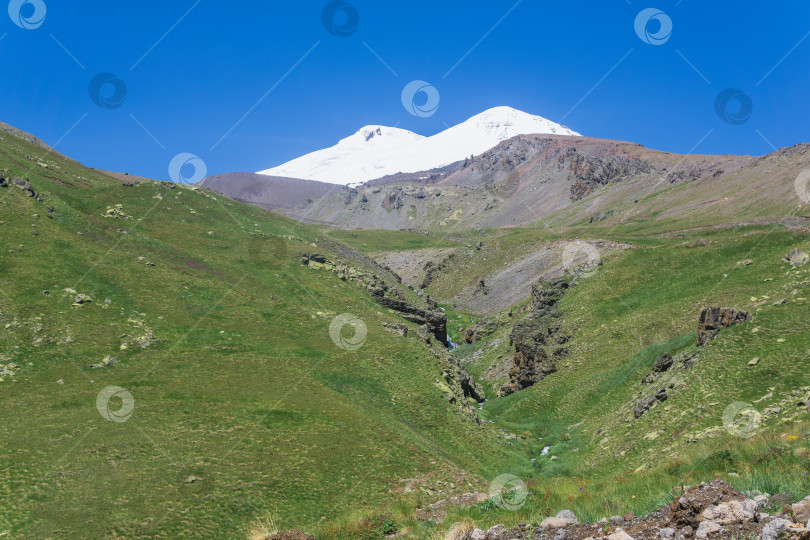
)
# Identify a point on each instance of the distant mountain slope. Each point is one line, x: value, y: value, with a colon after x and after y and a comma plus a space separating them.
x: 36, y: 141
x: 565, y: 181
x: 377, y: 151
x: 269, y: 192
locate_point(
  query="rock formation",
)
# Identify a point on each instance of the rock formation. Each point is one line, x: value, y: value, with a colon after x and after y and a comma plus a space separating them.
x: 712, y: 320
x: 538, y: 341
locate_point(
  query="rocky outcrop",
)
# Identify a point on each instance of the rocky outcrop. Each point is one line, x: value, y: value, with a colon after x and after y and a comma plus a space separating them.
x: 663, y: 363
x: 435, y: 321
x: 480, y: 329
x: 666, y: 361
x: 538, y: 340
x: 432, y: 270
x: 797, y: 258
x: 26, y: 186
x: 392, y: 201
x: 712, y: 320
x: 647, y: 403
x: 469, y: 387
x: 592, y: 172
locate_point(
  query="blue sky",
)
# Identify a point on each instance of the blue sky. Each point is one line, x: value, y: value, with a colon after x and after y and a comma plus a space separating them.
x: 196, y: 71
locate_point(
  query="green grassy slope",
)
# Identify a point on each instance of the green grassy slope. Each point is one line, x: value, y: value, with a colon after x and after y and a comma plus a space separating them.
x: 239, y: 385
x: 639, y: 304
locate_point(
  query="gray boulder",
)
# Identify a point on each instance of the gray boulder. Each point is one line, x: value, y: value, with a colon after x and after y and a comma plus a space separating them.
x: 567, y: 515
x: 797, y: 258
x: 771, y: 530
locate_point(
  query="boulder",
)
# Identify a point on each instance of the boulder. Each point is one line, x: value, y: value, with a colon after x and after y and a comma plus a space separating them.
x: 801, y: 511
x: 82, y: 299
x: 797, y: 258
x: 712, y: 320
x: 567, y: 515
x: 706, y: 528
x: 108, y: 361
x: 436, y: 321
x: 772, y: 530
x: 469, y: 386
x: 497, y: 532
x: 477, y: 534
x: 553, y: 523
x: 731, y: 512
x: 620, y: 535
x: 116, y: 211
x: 663, y: 363
x: 780, y: 499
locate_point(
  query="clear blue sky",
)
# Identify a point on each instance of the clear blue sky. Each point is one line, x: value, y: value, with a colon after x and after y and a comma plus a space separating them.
x: 213, y: 66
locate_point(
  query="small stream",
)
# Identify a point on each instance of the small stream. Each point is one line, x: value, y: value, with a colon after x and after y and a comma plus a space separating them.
x: 452, y: 345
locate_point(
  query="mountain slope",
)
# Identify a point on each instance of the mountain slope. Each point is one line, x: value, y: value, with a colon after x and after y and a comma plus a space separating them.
x: 377, y: 151
x: 244, y: 407
x: 268, y: 192
x: 563, y: 181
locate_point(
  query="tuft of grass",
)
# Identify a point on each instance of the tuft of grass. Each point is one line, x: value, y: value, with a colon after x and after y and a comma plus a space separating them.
x: 263, y: 528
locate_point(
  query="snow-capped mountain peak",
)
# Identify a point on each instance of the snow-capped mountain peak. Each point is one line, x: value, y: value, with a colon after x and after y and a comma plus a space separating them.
x: 376, y: 151
x: 379, y: 135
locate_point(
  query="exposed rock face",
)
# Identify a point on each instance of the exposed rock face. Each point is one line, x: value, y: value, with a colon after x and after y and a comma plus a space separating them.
x: 481, y: 329
x: 538, y: 341
x: 712, y: 320
x: 589, y: 172
x: 468, y: 385
x: 433, y: 269
x: 392, y: 201
x: 647, y: 403
x: 665, y: 362
x: 436, y: 321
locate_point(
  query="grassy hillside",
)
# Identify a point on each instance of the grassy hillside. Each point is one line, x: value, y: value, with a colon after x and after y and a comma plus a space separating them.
x: 244, y: 409
x: 641, y: 303
x: 243, y: 405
